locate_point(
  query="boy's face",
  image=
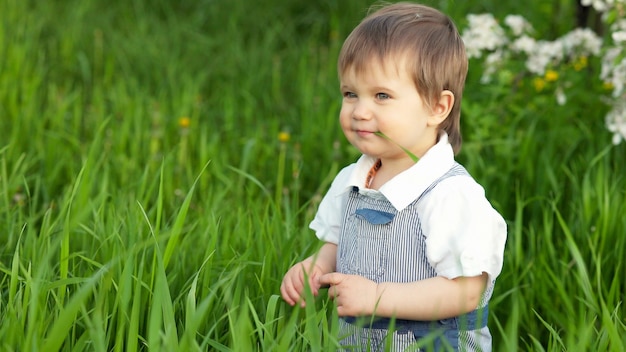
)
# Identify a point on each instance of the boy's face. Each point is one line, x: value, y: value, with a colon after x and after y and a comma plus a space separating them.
x: 383, y: 98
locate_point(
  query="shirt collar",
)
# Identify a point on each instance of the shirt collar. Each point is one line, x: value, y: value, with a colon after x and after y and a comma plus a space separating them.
x: 405, y: 187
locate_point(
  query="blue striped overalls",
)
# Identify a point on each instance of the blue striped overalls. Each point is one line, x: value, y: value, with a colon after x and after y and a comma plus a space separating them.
x: 384, y: 245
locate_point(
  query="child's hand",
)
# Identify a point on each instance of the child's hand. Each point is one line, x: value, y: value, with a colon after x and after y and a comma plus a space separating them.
x: 294, y: 281
x: 353, y: 294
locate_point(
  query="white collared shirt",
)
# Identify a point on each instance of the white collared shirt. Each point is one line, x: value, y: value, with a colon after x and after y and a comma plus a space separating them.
x: 465, y: 235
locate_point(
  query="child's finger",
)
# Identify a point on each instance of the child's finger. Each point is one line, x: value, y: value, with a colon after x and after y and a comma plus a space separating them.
x: 290, y: 291
x: 286, y: 294
x: 331, y: 279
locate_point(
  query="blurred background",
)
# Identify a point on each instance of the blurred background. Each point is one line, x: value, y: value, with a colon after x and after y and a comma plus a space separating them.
x: 160, y: 162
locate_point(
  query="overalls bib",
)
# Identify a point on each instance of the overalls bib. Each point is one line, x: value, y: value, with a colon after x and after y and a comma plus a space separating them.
x: 384, y: 245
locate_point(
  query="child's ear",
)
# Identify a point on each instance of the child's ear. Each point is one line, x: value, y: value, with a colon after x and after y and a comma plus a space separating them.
x: 441, y: 109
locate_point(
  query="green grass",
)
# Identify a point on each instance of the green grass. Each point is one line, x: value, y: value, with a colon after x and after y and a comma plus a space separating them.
x: 122, y: 230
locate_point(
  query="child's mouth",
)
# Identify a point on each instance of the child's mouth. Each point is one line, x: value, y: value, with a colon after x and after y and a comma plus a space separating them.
x: 362, y: 133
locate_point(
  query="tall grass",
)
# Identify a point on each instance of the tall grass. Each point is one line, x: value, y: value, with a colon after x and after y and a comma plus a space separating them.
x: 123, y: 228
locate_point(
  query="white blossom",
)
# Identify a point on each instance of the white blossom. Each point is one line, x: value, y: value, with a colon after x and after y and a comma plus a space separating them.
x: 610, y: 56
x: 619, y: 25
x: 619, y: 37
x: 619, y: 78
x: 493, y: 62
x: 483, y: 34
x: 602, y: 5
x: 524, y: 44
x: 561, y: 98
x: 616, y: 121
x: 613, y: 70
x: 583, y: 40
x: 598, y: 5
x: 544, y: 53
x: 518, y: 24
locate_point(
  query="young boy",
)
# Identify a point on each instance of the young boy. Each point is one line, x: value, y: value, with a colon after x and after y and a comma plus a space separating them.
x: 413, y: 244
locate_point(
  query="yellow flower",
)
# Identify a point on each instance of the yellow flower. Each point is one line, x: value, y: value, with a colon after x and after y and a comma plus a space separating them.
x: 184, y: 122
x: 284, y: 137
x: 608, y: 86
x: 539, y: 84
x: 580, y: 63
x: 551, y: 76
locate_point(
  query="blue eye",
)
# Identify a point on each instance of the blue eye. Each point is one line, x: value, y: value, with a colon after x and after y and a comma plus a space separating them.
x: 349, y: 95
x: 382, y: 96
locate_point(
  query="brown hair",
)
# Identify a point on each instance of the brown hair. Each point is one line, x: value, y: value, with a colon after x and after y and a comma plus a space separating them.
x: 429, y: 41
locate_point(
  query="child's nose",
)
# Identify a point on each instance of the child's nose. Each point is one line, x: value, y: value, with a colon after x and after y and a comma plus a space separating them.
x: 361, y: 112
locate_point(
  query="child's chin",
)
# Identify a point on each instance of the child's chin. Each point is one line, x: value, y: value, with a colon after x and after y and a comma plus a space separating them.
x: 369, y: 152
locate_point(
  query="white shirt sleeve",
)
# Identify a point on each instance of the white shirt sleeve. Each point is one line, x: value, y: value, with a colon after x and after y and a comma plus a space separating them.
x: 465, y: 235
x: 327, y: 221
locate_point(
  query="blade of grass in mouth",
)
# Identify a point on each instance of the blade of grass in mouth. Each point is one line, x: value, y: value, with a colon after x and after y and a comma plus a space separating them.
x: 408, y: 152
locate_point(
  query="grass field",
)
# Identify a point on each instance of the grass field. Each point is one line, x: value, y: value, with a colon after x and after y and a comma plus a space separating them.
x: 160, y: 162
